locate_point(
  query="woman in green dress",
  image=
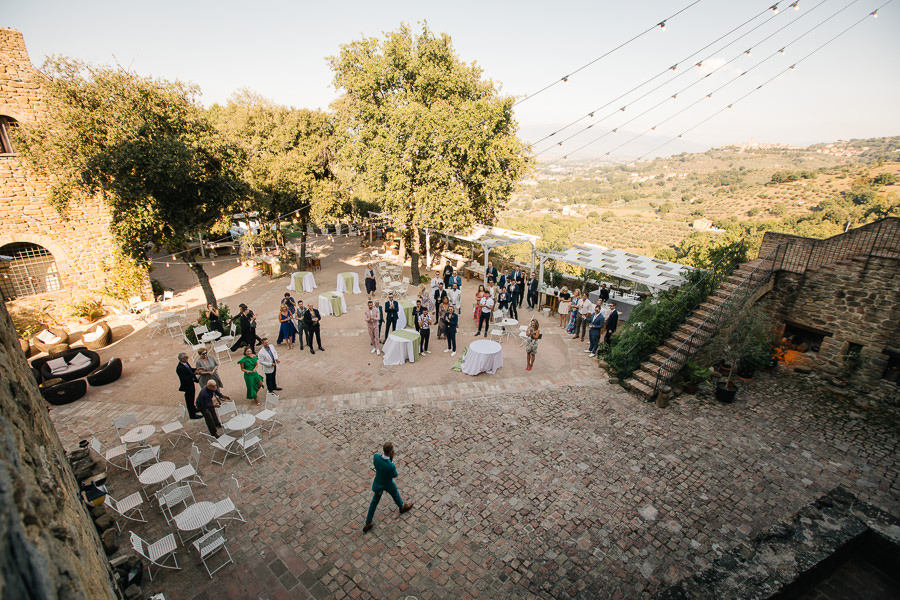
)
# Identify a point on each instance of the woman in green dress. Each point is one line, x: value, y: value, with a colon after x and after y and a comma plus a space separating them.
x: 253, y: 379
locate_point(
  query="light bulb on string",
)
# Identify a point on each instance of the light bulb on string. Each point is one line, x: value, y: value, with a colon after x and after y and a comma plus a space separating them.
x: 662, y: 25
x: 795, y: 6
x: 615, y: 131
x: 590, y: 115
x: 793, y: 67
x: 622, y: 109
x: 781, y: 52
x: 747, y: 51
x: 774, y: 8
x: 874, y: 14
x: 565, y: 79
x: 675, y: 97
x: 699, y: 65
x: 674, y: 67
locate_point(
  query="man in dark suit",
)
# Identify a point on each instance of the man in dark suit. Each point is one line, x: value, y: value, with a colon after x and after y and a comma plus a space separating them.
x: 594, y: 332
x: 448, y: 272
x: 519, y: 276
x: 207, y: 402
x: 604, y: 292
x: 440, y: 294
x: 385, y: 473
x: 514, y: 297
x: 391, y: 310
x: 455, y: 278
x: 248, y: 333
x: 490, y: 274
x: 612, y: 321
x: 312, y: 319
x: 532, y: 292
x: 187, y: 377
x: 416, y: 311
x: 301, y: 321
x: 504, y: 279
x: 451, y: 321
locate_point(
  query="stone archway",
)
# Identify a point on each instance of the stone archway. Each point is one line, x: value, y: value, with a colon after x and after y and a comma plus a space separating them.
x: 28, y: 269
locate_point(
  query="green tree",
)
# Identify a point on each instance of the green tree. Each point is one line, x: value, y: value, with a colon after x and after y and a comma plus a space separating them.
x: 432, y: 142
x: 144, y: 146
x: 290, y: 158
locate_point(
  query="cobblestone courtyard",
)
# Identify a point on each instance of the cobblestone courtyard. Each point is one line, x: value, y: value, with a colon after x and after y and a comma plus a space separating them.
x: 543, y: 484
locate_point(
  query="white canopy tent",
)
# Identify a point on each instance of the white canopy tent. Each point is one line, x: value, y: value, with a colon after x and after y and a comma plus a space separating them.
x: 495, y: 237
x: 658, y: 275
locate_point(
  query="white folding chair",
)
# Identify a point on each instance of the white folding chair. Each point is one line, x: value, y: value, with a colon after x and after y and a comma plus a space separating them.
x: 173, y: 495
x: 142, y: 457
x: 194, y: 347
x: 153, y: 327
x: 189, y: 471
x: 229, y: 339
x: 523, y: 329
x: 228, y: 507
x: 176, y: 428
x: 157, y: 553
x: 112, y: 453
x: 174, y: 326
x: 222, y: 350
x: 150, y: 312
x: 124, y: 423
x: 226, y: 409
x: 223, y: 443
x: 496, y: 333
x: 200, y: 330
x: 269, y: 414
x: 127, y: 508
x: 208, y: 545
x: 251, y: 442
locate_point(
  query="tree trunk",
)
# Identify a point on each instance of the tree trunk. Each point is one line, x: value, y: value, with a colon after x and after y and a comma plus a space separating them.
x: 415, y: 252
x: 304, y: 226
x: 202, y: 277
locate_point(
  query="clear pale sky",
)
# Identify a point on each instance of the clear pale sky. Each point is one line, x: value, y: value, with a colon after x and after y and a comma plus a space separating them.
x: 848, y: 89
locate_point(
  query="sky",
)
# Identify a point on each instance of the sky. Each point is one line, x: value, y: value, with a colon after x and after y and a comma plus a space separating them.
x: 841, y: 88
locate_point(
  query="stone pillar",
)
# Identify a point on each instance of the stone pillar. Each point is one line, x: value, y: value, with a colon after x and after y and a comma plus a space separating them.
x: 49, y: 547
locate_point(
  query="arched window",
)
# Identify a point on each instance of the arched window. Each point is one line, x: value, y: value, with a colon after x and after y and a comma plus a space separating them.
x: 27, y: 269
x: 6, y: 123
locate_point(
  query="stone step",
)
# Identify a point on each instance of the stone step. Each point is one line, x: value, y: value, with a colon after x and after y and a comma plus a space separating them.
x: 645, y: 377
x: 639, y: 388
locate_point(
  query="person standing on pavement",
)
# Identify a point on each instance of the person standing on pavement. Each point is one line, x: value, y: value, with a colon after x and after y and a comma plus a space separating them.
x: 268, y: 358
x: 391, y: 309
x: 532, y: 335
x: 300, y: 313
x: 207, y: 402
x: 612, y: 321
x: 187, y: 377
x: 532, y: 292
x: 451, y: 322
x: 369, y: 275
x: 448, y: 273
x: 424, y: 319
x: 313, y: 328
x: 372, y: 316
x: 584, y: 318
x: 487, y: 305
x: 380, y: 318
x: 594, y: 335
x: 385, y: 473
x: 247, y: 337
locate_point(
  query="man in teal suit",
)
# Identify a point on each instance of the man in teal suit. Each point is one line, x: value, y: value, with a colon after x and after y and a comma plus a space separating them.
x: 385, y: 472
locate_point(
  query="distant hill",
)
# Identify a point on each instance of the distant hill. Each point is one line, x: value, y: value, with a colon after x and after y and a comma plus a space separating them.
x: 651, y: 206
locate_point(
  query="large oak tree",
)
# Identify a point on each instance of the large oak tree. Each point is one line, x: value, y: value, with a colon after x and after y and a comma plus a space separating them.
x: 430, y: 140
x: 143, y: 145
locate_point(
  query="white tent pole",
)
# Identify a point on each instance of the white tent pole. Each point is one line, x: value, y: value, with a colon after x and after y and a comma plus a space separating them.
x: 487, y: 251
x: 427, y: 251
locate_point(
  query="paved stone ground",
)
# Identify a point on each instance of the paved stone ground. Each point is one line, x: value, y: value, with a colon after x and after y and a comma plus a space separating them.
x: 548, y: 484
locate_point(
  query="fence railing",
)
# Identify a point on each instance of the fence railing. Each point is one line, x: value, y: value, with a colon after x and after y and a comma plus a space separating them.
x: 880, y: 237
x: 701, y: 334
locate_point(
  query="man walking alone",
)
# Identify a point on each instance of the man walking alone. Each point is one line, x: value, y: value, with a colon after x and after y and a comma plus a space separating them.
x: 385, y: 472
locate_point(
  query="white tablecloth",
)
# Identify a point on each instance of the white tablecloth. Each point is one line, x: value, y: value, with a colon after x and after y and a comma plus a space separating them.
x: 325, y: 304
x: 342, y: 285
x: 398, y: 350
x: 483, y: 356
x: 309, y: 282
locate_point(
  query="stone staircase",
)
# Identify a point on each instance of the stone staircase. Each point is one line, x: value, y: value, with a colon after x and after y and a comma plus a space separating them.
x: 643, y: 380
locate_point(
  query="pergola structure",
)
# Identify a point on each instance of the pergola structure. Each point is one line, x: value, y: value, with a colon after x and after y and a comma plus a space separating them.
x: 657, y: 275
x: 490, y: 237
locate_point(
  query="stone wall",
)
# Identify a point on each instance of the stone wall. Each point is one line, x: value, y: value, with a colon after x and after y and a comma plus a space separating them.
x: 853, y: 300
x: 82, y: 245
x: 48, y: 545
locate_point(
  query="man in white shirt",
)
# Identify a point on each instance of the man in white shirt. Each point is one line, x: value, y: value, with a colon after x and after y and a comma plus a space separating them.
x: 487, y: 306
x: 455, y: 296
x: 268, y: 358
x: 435, y: 282
x: 583, y: 320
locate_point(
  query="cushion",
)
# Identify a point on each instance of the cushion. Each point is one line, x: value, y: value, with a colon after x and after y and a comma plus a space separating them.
x: 79, y: 360
x: 47, y: 338
x: 94, y: 335
x: 57, y: 365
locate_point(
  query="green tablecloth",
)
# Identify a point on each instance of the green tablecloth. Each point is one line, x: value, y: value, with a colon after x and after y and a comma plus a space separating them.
x: 348, y: 282
x: 412, y: 336
x: 298, y: 280
x: 335, y: 302
x: 408, y: 306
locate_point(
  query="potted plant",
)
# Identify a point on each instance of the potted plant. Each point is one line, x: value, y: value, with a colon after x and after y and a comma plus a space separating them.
x: 694, y: 375
x: 87, y: 310
x: 743, y: 336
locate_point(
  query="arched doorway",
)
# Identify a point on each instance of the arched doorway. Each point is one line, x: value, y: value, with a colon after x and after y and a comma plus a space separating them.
x: 27, y: 269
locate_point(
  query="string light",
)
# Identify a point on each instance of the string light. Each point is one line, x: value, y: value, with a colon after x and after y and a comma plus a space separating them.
x: 774, y: 8
x: 793, y: 67
x: 874, y: 14
x: 674, y: 67
x: 662, y: 25
x: 795, y: 6
x: 781, y: 52
x: 747, y: 51
x: 699, y: 65
x: 565, y: 79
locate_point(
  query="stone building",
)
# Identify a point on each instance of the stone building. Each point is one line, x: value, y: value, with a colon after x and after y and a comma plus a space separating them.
x: 44, y: 253
x: 837, y: 298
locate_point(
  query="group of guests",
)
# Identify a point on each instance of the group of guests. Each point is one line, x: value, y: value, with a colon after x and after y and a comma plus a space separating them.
x: 299, y: 321
x: 579, y: 316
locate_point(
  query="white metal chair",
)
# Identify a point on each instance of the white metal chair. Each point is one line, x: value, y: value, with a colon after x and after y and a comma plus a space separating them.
x: 176, y: 429
x: 269, y: 414
x: 189, y: 471
x: 150, y: 312
x: 223, y: 443
x: 174, y: 326
x: 249, y: 443
x: 496, y: 333
x: 127, y: 508
x: 226, y: 409
x: 222, y: 351
x: 109, y: 454
x: 228, y: 507
x: 124, y: 422
x: 142, y: 457
x: 194, y: 347
x: 208, y: 545
x: 157, y: 553
x: 153, y: 327
x: 200, y: 330
x: 229, y: 339
x: 523, y: 329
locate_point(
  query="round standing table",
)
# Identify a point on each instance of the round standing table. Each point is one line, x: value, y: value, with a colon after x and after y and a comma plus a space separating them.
x: 483, y: 356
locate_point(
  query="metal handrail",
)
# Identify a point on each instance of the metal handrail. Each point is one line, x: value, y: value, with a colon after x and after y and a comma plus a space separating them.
x: 687, y: 349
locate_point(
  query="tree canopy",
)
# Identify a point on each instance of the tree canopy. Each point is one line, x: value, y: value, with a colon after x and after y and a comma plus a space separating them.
x: 430, y: 140
x: 144, y: 145
x: 290, y: 155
